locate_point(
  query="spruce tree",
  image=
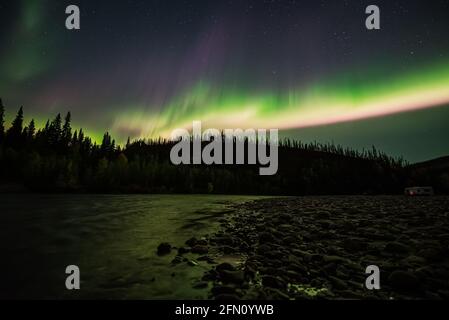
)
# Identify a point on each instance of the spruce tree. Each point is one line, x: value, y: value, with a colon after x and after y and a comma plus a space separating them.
x: 67, y: 130
x: 106, y: 143
x: 55, y: 131
x: 18, y: 122
x: 14, y: 134
x: 75, y: 137
x: 81, y: 136
x: 31, y: 130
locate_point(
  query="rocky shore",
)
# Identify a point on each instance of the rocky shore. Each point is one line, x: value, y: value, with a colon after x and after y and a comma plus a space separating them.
x: 319, y: 248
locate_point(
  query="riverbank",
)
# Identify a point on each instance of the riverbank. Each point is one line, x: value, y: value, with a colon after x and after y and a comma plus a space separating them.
x: 319, y: 247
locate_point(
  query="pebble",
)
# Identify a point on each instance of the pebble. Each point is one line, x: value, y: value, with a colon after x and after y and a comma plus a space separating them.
x: 200, y: 249
x: 164, y: 248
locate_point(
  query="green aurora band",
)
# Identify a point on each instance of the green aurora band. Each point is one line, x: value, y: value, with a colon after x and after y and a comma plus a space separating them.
x: 333, y: 101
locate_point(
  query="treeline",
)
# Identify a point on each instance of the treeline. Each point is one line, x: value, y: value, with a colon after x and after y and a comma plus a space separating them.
x: 57, y: 158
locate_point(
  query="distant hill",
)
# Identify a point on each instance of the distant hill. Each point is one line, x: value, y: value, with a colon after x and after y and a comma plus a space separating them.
x: 433, y: 173
x: 441, y: 163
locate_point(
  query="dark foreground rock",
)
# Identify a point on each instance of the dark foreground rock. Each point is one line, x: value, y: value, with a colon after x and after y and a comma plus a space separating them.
x: 164, y: 248
x: 320, y: 247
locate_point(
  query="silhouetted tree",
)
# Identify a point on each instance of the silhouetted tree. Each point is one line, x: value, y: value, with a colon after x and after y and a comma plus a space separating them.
x: 29, y: 131
x: 81, y: 136
x: 14, y: 133
x: 107, y: 145
x: 55, y: 131
x: 67, y: 131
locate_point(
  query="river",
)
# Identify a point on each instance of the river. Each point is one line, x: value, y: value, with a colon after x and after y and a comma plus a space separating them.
x: 111, y: 238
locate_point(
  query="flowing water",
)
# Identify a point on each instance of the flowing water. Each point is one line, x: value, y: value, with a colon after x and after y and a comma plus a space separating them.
x: 111, y: 238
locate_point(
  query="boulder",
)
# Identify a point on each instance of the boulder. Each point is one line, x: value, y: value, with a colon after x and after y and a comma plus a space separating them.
x: 164, y: 248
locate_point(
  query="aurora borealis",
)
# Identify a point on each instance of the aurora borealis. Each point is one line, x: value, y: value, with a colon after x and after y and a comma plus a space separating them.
x: 309, y: 68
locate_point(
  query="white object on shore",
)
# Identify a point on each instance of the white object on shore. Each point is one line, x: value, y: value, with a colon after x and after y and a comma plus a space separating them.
x: 419, y: 191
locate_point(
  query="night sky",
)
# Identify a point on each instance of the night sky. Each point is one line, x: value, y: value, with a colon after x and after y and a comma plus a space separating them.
x: 309, y: 68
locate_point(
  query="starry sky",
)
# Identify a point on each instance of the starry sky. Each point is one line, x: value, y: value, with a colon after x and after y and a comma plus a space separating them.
x: 309, y: 68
